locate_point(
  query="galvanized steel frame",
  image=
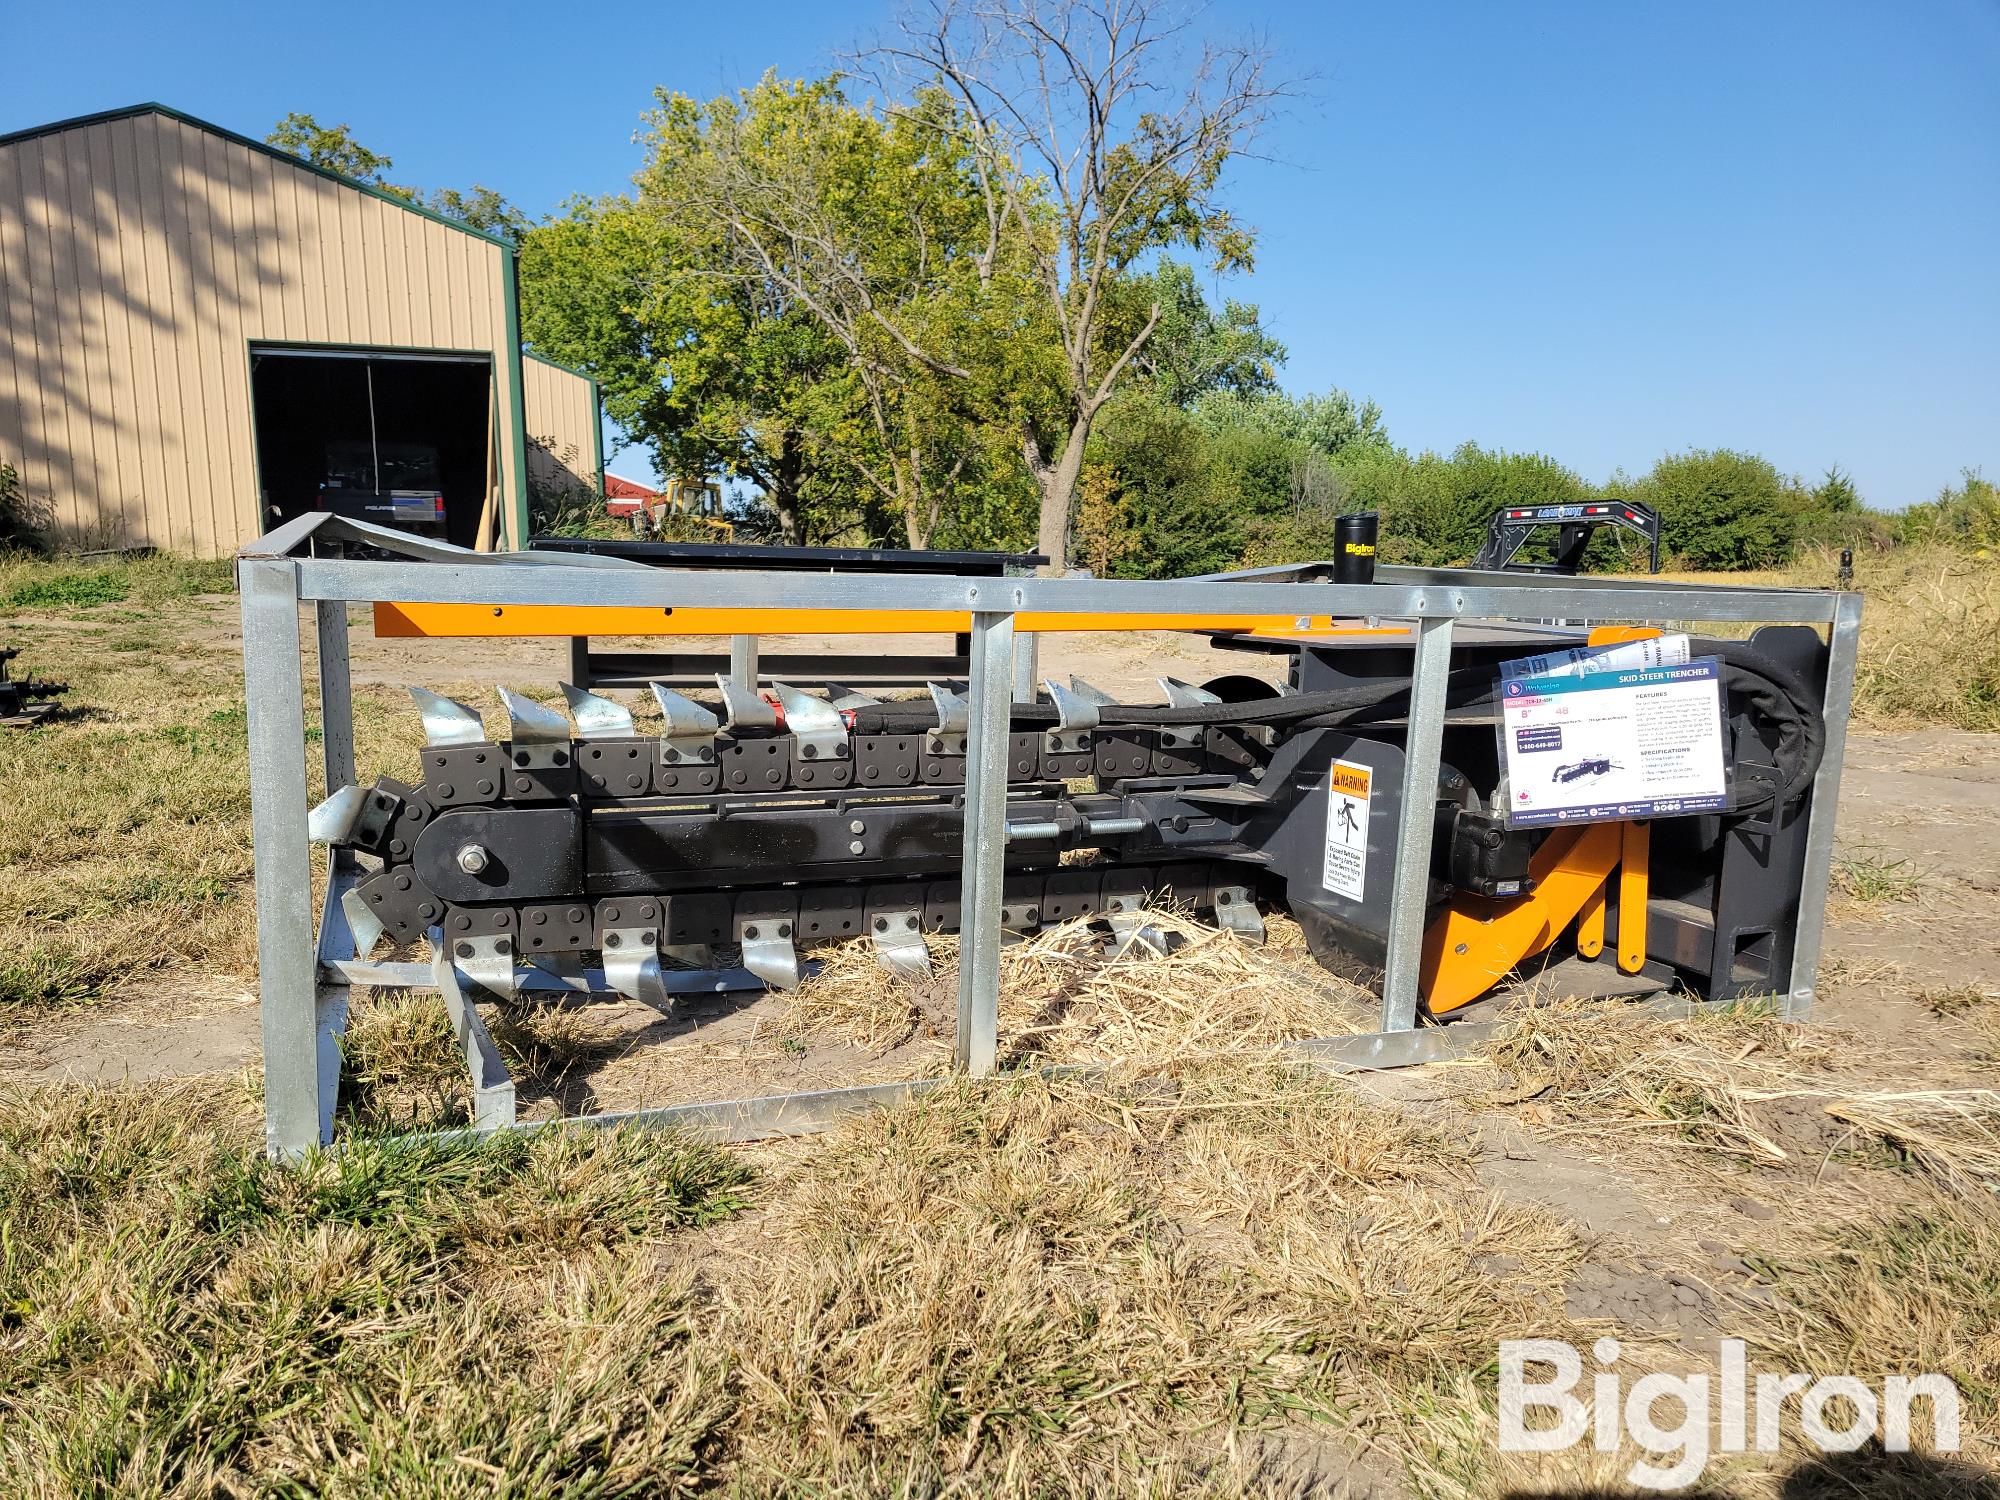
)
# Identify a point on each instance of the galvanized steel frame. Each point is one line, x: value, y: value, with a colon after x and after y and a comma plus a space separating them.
x: 306, y: 968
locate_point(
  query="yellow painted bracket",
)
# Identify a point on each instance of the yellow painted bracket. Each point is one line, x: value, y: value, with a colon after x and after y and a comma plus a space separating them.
x: 488, y: 620
x: 1477, y: 942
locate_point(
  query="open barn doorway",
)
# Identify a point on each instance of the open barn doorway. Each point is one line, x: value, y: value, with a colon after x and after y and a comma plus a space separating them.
x: 400, y: 439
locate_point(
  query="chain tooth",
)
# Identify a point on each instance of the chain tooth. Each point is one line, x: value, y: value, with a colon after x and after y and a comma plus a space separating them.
x: 447, y: 721
x: 684, y: 716
x: 332, y: 822
x: 1090, y: 694
x: 842, y: 696
x: 1074, y: 711
x: 744, y: 709
x: 812, y: 722
x: 899, y: 946
x: 634, y: 972
x: 361, y: 922
x: 773, y: 960
x: 1130, y: 930
x: 954, y: 710
x: 532, y: 723
x: 597, y: 718
x: 1185, y: 694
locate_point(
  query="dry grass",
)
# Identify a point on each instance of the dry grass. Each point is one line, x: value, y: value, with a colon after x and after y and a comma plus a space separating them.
x: 1066, y: 999
x: 1930, y: 633
x: 1705, y: 1084
x: 1025, y: 1289
x: 1951, y: 1135
x: 1198, y: 1277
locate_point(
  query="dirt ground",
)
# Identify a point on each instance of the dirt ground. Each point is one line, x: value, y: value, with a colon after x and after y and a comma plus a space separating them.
x: 1925, y: 805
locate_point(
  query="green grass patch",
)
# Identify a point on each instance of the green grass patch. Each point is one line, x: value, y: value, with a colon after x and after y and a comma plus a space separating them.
x: 35, y: 975
x: 1869, y: 876
x: 65, y: 588
x: 66, y: 585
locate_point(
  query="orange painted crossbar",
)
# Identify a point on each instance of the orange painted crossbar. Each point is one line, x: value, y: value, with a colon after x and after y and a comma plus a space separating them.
x: 479, y: 620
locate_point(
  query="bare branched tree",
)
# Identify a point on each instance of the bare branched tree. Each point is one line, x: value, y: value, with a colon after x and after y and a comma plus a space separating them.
x: 1099, y: 130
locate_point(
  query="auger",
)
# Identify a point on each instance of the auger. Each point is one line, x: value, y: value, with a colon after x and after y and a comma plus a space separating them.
x: 775, y: 822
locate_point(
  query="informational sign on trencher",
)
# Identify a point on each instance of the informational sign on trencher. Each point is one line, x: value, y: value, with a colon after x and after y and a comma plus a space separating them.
x: 1621, y: 744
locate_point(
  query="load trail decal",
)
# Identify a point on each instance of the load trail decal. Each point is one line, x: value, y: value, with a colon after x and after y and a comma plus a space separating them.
x: 1345, y: 871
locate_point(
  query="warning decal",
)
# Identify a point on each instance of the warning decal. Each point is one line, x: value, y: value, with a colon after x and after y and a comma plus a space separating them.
x: 1345, y: 872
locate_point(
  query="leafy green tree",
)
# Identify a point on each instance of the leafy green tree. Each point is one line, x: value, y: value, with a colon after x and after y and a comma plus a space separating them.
x: 1720, y: 509
x: 1325, y: 424
x: 805, y: 294
x: 330, y: 146
x: 482, y: 208
x: 335, y: 148
x: 1836, y: 494
x: 868, y: 229
x: 1435, y: 510
x: 714, y: 374
x: 1196, y: 352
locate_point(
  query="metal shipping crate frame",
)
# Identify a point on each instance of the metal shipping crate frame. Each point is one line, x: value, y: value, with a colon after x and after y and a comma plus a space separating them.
x: 307, y: 967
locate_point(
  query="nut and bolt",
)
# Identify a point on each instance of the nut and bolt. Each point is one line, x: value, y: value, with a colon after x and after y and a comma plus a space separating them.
x: 472, y: 858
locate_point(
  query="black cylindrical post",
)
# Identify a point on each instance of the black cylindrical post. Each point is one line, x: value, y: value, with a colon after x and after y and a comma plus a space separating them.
x: 1354, y: 547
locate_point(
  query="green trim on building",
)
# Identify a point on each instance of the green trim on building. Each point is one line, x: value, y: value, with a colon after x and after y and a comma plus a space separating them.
x: 131, y: 111
x: 597, y: 432
x: 556, y: 364
x: 511, y: 294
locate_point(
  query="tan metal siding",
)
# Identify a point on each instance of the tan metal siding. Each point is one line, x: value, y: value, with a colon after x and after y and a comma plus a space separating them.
x: 140, y: 257
x: 562, y: 416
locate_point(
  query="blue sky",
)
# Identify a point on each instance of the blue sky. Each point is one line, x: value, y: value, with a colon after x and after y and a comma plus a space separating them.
x: 1599, y: 231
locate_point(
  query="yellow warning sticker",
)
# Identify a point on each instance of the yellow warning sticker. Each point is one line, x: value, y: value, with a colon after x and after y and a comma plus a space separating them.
x: 1345, y: 871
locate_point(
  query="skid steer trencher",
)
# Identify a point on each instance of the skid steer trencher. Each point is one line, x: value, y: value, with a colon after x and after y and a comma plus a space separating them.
x: 544, y: 851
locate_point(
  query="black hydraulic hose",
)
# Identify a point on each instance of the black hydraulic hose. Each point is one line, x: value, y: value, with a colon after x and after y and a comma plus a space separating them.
x: 1768, y: 689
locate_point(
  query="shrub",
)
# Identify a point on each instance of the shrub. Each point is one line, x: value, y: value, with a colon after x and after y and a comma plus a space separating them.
x: 1965, y: 516
x: 21, y: 527
x: 1435, y: 510
x: 1720, y: 511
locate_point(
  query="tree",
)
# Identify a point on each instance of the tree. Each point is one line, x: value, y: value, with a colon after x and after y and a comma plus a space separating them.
x: 1097, y: 137
x: 1720, y: 509
x: 1326, y: 424
x: 799, y: 293
x: 1435, y: 510
x: 1194, y: 351
x: 330, y: 146
x: 715, y: 376
x: 335, y: 148
x: 868, y: 229
x: 482, y: 208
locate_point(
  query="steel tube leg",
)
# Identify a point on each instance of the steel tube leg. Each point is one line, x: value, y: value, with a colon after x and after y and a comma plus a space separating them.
x: 743, y: 662
x: 336, y: 693
x: 1843, y: 646
x: 1027, y: 667
x: 988, y: 719
x: 274, y: 699
x: 336, y: 719
x: 1409, y: 898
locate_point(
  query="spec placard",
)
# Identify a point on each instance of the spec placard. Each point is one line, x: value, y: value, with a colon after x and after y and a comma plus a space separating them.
x: 1604, y: 745
x: 1348, y: 794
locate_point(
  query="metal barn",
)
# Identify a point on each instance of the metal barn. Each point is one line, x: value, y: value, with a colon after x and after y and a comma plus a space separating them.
x: 202, y: 337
